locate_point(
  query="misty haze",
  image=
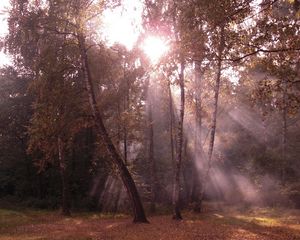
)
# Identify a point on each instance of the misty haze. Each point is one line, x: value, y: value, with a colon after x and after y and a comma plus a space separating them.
x: 182, y: 116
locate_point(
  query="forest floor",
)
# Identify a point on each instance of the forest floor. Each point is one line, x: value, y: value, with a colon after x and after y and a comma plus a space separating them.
x: 259, y: 223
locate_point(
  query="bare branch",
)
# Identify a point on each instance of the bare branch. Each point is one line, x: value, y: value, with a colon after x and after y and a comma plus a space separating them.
x: 263, y: 51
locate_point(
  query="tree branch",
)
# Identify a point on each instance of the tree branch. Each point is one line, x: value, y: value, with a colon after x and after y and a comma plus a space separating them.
x: 59, y: 32
x: 263, y: 51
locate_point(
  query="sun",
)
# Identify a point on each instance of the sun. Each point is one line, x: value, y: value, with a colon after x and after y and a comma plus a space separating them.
x: 123, y: 25
x: 155, y: 47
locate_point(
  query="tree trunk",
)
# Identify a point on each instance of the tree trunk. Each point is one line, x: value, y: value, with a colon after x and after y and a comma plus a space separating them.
x: 284, y: 132
x: 196, y: 187
x: 185, y: 173
x: 176, y: 188
x: 126, y: 108
x: 153, y: 176
x: 139, y: 214
x: 171, y: 109
x: 119, y: 127
x: 125, y: 144
x: 215, y: 111
x: 64, y: 179
x: 151, y: 157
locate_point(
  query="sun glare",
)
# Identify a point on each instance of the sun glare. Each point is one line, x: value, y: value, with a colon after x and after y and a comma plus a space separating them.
x: 155, y: 48
x: 123, y: 24
x: 4, y: 5
x: 4, y: 59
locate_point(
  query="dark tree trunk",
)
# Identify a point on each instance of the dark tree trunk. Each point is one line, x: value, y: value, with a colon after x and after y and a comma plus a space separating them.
x: 216, y: 99
x: 185, y: 170
x: 119, y: 127
x: 215, y: 111
x: 284, y: 131
x: 117, y: 199
x: 126, y: 108
x: 40, y: 186
x: 125, y: 144
x: 64, y: 179
x: 171, y: 109
x: 151, y: 160
x: 151, y: 156
x: 176, y: 188
x: 198, y: 151
x: 139, y: 214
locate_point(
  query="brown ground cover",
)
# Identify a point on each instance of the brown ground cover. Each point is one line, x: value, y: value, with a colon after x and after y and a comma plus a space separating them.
x: 266, y: 224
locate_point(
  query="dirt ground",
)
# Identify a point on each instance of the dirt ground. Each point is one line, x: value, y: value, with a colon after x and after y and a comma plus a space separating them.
x: 266, y: 224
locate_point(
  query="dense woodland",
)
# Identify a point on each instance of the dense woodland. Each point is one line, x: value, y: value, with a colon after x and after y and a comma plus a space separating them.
x: 88, y: 126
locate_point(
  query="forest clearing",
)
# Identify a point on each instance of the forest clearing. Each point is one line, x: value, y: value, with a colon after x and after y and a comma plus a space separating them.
x: 251, y: 224
x: 180, y: 117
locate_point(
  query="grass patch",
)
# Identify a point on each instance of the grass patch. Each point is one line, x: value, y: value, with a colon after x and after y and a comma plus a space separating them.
x: 10, y: 218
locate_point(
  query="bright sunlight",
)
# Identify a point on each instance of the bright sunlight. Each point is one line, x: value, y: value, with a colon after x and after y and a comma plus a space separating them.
x: 123, y: 24
x: 4, y: 5
x: 155, y: 48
